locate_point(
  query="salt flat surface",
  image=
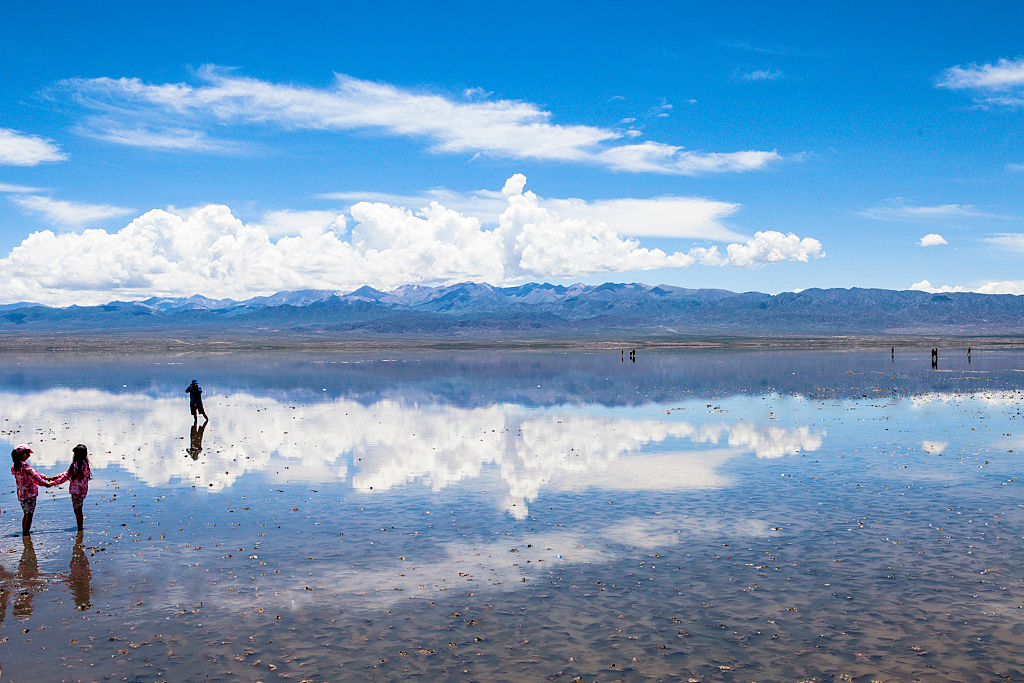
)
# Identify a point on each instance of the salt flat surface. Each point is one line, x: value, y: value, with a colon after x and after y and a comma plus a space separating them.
x: 510, y: 516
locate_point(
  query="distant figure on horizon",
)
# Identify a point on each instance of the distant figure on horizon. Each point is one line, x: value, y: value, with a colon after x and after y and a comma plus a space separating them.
x: 79, y: 475
x: 196, y: 439
x: 28, y: 481
x: 195, y: 401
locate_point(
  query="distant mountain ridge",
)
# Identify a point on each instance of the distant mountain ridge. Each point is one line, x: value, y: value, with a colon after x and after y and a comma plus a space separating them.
x: 470, y: 310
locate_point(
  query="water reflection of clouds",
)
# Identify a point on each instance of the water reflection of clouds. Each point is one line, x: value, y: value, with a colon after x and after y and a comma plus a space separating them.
x: 388, y: 444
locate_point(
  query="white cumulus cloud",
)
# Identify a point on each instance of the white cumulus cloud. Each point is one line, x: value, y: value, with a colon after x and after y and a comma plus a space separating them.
x: 69, y: 213
x: 172, y: 116
x: 18, y: 149
x: 932, y: 240
x: 210, y: 251
x: 680, y: 217
x: 771, y: 246
x: 294, y: 222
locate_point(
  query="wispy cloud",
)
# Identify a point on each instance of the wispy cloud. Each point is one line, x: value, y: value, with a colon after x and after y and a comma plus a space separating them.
x: 1011, y: 241
x: 69, y: 213
x: 169, y: 139
x: 1001, y: 83
x: 18, y: 149
x: 1004, y: 287
x: 178, y: 116
x: 19, y: 189
x: 898, y: 210
x: 780, y: 50
x: 763, y: 75
x: 656, y: 157
x: 212, y: 252
x: 932, y: 240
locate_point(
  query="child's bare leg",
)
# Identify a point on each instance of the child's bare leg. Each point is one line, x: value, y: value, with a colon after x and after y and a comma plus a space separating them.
x: 78, y: 503
x: 26, y: 524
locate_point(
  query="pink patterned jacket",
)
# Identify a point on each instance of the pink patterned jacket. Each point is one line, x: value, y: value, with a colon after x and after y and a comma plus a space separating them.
x: 28, y: 481
x: 78, y: 487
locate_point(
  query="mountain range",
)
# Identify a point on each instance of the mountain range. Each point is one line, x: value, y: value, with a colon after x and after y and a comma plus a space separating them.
x: 472, y: 310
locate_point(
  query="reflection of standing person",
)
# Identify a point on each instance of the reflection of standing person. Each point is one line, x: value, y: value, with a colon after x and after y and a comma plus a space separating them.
x: 28, y: 583
x: 79, y: 475
x: 7, y: 586
x: 195, y: 400
x: 196, y: 438
x: 80, y: 578
x: 28, y: 481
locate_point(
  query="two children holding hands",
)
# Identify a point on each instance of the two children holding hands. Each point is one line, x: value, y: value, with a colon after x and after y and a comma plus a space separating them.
x: 28, y: 481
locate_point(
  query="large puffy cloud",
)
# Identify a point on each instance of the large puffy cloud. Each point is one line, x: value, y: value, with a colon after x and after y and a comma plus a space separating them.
x: 171, y: 116
x: 294, y: 222
x: 211, y: 252
x: 772, y: 247
x: 1001, y: 83
x: 18, y: 149
x: 678, y: 217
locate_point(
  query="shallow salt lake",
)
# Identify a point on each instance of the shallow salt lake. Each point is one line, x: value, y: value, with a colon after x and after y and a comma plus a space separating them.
x: 512, y: 516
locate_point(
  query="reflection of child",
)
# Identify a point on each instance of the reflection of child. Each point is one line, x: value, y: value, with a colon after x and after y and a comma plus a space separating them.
x: 79, y: 475
x: 80, y: 576
x: 28, y: 481
x: 28, y: 578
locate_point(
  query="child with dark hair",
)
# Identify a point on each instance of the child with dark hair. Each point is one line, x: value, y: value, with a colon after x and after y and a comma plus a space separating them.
x: 28, y: 481
x: 79, y: 475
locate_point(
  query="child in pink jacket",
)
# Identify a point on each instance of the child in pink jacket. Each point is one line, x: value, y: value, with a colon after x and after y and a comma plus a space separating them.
x: 28, y: 481
x: 79, y: 475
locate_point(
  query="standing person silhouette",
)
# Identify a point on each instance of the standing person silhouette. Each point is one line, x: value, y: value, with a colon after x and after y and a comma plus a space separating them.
x: 195, y: 401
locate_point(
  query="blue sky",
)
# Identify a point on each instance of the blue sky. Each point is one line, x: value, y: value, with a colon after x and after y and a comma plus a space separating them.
x: 211, y: 148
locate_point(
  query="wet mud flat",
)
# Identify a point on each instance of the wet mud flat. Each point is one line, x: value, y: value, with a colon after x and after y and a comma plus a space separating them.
x: 728, y: 536
x: 201, y: 340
